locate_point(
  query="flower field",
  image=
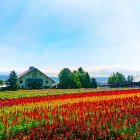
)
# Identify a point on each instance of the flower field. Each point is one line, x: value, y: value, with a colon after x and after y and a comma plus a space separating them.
x: 98, y: 115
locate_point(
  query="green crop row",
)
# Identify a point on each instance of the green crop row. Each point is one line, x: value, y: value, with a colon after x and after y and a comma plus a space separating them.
x: 45, y: 92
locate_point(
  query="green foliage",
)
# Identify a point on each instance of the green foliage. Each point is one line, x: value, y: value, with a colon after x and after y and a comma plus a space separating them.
x: 81, y: 71
x: 93, y: 83
x: 76, y: 79
x: 130, y: 78
x: 116, y: 79
x: 12, y: 82
x: 1, y: 82
x: 119, y: 80
x: 86, y: 80
x: 65, y: 78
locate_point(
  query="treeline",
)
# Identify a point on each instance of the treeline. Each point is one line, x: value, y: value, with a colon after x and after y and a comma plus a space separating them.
x: 75, y: 79
x: 119, y: 80
x: 67, y: 80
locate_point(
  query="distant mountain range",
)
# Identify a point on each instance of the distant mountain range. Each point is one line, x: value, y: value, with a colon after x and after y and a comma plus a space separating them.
x: 102, y: 79
x: 98, y: 79
x: 3, y: 77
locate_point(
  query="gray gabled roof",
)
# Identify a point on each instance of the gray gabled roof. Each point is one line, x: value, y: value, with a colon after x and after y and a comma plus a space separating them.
x: 26, y: 72
x: 31, y: 69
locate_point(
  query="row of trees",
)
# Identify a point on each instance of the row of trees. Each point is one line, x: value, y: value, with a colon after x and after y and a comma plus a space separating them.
x: 119, y: 80
x: 67, y: 79
x: 75, y: 79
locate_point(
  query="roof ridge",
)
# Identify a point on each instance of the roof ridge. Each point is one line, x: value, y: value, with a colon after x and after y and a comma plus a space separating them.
x: 24, y: 73
x: 31, y: 69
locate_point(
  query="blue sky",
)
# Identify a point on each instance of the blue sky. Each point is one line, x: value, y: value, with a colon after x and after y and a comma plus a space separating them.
x: 100, y: 36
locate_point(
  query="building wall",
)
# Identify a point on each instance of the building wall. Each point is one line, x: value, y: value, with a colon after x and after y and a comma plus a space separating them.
x: 136, y: 78
x: 35, y: 74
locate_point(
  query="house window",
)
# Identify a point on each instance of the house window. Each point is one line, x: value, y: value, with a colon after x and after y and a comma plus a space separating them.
x: 47, y: 82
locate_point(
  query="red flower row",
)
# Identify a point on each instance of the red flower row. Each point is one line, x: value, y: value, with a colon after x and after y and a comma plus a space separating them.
x: 10, y: 102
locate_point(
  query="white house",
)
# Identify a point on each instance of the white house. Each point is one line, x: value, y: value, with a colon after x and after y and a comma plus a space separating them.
x: 34, y: 78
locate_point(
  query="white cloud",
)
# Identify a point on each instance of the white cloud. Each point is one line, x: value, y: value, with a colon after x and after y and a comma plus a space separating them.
x: 109, y: 38
x: 108, y: 70
x: 97, y: 71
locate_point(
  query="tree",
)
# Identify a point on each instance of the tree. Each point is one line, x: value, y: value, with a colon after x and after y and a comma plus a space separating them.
x: 86, y: 80
x: 129, y: 82
x: 1, y: 82
x: 12, y: 81
x: 130, y: 78
x: 81, y: 75
x: 93, y: 83
x: 65, y: 78
x: 76, y: 79
x: 116, y: 80
x: 81, y: 71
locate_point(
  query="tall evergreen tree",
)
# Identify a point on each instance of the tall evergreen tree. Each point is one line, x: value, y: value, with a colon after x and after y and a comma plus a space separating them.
x: 81, y: 75
x: 12, y: 82
x: 87, y: 80
x: 1, y: 82
x: 81, y: 71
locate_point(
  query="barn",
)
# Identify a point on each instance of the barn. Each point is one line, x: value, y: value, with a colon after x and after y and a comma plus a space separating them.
x: 34, y: 79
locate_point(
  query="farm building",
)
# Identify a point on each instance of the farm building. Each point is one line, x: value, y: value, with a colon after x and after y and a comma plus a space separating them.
x: 34, y: 79
x: 136, y: 78
x: 136, y: 81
